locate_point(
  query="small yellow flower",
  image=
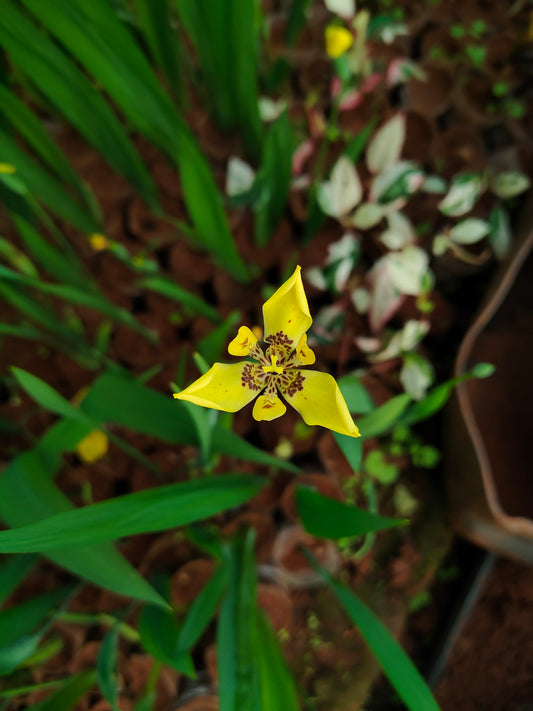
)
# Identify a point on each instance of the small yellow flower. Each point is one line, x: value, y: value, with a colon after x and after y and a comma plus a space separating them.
x: 92, y: 447
x: 7, y: 168
x: 315, y: 395
x: 338, y: 40
x: 98, y: 242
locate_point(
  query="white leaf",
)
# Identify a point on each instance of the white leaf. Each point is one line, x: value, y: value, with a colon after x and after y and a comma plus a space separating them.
x: 386, y: 298
x: 403, y: 341
x: 361, y: 300
x: 399, y: 180
x: 440, y: 245
x: 400, y: 233
x: 407, y: 269
x: 343, y: 8
x: 416, y: 375
x: 386, y: 145
x: 469, y: 231
x: 342, y: 273
x: 343, y: 248
x: 315, y: 277
x: 367, y: 215
x: 342, y: 192
x: 509, y: 184
x: 270, y: 110
x: 462, y: 195
x: 434, y: 184
x: 239, y: 177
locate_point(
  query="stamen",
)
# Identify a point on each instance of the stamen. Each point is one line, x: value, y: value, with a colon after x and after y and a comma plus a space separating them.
x: 274, y: 368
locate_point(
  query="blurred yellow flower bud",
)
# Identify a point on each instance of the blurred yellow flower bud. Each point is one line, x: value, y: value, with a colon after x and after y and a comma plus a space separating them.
x: 92, y: 447
x: 338, y: 40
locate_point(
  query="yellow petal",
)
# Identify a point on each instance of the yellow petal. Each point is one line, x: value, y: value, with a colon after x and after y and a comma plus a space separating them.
x: 287, y: 312
x: 338, y: 40
x: 304, y: 354
x: 320, y: 402
x: 92, y: 447
x: 243, y: 342
x: 223, y: 387
x: 267, y: 408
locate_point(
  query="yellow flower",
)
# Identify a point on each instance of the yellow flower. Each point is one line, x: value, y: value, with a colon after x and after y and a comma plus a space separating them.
x: 7, y: 168
x: 315, y: 395
x: 338, y: 40
x: 92, y: 447
x: 99, y: 242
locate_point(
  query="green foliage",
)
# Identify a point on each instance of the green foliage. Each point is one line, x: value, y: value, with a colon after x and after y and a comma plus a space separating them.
x: 225, y: 39
x: 400, y: 670
x: 326, y: 518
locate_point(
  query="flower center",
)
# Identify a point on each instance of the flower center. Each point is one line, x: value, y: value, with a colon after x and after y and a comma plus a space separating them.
x: 274, y: 368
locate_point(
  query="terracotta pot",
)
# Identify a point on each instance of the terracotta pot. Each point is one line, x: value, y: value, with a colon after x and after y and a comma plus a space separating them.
x: 490, y: 422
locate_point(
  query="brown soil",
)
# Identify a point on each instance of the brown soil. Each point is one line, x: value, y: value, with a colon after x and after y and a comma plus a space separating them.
x: 491, y: 664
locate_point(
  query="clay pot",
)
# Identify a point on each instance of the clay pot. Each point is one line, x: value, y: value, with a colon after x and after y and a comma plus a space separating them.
x: 489, y: 424
x: 430, y: 97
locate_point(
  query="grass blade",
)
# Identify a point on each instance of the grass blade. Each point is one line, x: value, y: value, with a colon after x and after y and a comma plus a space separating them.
x: 27, y: 495
x: 278, y: 690
x: 225, y: 39
x: 12, y: 572
x: 21, y: 119
x: 202, y: 610
x: 60, y: 81
x: 238, y: 677
x: 173, y: 291
x: 96, y: 37
x: 69, y: 694
x: 163, y: 41
x: 326, y: 518
x: 124, y: 401
x: 39, y: 182
x: 274, y: 178
x: 142, y: 512
x: 401, y: 671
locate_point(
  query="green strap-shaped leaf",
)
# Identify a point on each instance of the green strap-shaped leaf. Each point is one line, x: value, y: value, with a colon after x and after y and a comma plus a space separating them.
x: 42, y: 185
x: 159, y: 630
x: 12, y: 572
x: 124, y: 401
x: 23, y: 120
x: 107, y: 667
x: 327, y: 518
x: 69, y: 694
x: 27, y: 495
x: 142, y: 512
x: 400, y: 670
x: 274, y: 178
x: 58, y: 78
x: 202, y: 610
x: 238, y: 676
x: 384, y: 417
x: 278, y: 688
x: 225, y: 38
x: 163, y: 41
x: 96, y: 37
